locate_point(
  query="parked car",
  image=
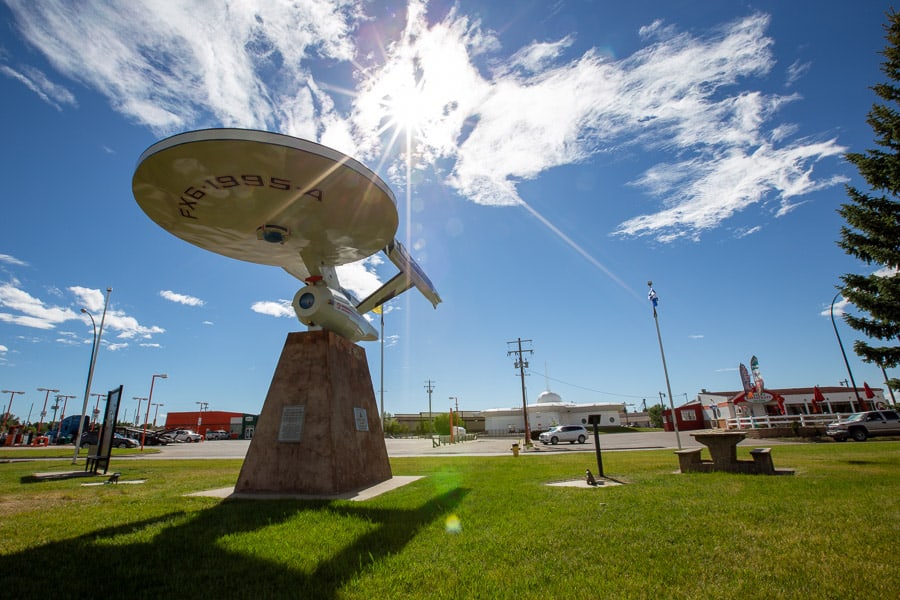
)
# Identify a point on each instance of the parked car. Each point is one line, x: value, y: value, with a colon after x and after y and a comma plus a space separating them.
x: 863, y: 425
x: 89, y: 438
x: 187, y: 435
x: 217, y: 434
x: 564, y: 433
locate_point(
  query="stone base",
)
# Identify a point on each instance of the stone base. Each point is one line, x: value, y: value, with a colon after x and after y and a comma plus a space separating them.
x: 319, y: 432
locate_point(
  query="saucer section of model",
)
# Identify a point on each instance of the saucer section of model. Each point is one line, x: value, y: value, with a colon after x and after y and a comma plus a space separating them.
x: 265, y: 198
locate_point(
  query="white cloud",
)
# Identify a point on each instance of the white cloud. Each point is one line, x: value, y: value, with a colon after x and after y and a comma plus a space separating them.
x: 12, y: 260
x: 3, y: 349
x: 481, y: 121
x: 29, y: 311
x: 360, y: 277
x: 171, y: 64
x: 32, y: 312
x: 281, y: 308
x: 181, y: 298
x: 840, y: 307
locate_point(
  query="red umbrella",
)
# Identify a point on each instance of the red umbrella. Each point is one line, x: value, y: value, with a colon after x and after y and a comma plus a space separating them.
x: 817, y: 398
x: 869, y: 393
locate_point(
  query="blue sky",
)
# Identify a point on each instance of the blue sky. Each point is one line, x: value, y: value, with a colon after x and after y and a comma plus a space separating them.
x: 563, y: 154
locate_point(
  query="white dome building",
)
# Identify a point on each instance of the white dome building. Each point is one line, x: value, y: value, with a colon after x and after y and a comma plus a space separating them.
x: 549, y: 411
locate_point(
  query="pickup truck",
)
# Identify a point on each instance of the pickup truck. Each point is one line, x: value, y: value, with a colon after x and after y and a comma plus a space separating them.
x: 863, y: 425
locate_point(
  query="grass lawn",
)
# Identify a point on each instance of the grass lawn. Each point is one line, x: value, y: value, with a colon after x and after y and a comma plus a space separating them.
x: 830, y: 531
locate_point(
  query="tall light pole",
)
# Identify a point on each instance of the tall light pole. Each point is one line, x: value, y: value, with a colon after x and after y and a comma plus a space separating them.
x: 44, y: 410
x: 451, y: 416
x: 62, y: 415
x: 137, y: 412
x: 888, y: 385
x: 96, y: 411
x: 654, y: 300
x: 149, y: 400
x: 12, y: 395
x: 156, y: 412
x: 862, y: 404
x: 55, y: 407
x: 429, y: 387
x: 90, y: 377
x: 380, y: 312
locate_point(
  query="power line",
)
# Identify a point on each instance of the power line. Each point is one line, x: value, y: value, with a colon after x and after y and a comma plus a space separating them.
x: 587, y: 389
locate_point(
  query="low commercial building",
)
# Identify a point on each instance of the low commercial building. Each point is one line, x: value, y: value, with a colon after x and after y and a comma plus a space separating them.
x: 550, y: 411
x: 239, y: 425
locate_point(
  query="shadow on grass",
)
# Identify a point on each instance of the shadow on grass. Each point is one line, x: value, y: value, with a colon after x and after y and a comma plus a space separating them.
x: 185, y: 557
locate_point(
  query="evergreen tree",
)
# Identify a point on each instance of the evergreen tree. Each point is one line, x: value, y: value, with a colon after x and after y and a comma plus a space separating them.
x: 872, y: 233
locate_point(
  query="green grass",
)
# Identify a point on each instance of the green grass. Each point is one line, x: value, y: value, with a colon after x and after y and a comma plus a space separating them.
x: 830, y: 531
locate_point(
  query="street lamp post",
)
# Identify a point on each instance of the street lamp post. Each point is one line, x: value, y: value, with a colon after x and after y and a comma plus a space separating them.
x: 149, y: 400
x: 137, y: 412
x: 665, y: 368
x: 96, y: 411
x: 844, y: 354
x: 91, y: 365
x: 55, y: 407
x: 156, y: 412
x: 44, y: 410
x: 888, y: 385
x: 12, y: 395
x: 62, y: 415
x: 451, y: 416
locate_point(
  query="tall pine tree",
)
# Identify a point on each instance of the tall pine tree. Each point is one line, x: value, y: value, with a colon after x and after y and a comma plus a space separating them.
x: 872, y: 233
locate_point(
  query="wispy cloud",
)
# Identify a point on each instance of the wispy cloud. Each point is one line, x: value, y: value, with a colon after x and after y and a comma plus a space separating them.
x: 797, y: 70
x: 181, y: 298
x: 484, y: 119
x: 12, y: 260
x: 53, y: 94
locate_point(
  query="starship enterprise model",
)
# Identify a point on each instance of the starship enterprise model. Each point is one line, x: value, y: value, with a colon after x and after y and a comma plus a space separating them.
x: 277, y: 200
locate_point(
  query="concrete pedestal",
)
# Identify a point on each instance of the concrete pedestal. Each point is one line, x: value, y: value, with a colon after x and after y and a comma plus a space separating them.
x: 319, y: 431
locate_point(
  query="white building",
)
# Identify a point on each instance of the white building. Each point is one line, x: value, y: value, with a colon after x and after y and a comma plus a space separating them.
x: 547, y: 412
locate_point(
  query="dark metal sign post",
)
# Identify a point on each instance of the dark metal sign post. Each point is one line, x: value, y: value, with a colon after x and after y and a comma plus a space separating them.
x: 595, y: 420
x: 99, y: 459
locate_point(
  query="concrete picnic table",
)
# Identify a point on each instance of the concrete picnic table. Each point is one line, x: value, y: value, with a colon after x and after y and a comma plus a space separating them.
x: 722, y: 447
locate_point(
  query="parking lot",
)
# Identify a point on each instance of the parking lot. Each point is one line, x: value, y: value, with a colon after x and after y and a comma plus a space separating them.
x: 484, y: 446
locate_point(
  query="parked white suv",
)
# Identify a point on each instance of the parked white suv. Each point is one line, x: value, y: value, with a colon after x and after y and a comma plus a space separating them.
x: 565, y: 433
x: 862, y: 425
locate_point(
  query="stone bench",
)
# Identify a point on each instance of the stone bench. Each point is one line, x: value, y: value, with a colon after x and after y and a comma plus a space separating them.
x: 762, y: 461
x: 689, y: 460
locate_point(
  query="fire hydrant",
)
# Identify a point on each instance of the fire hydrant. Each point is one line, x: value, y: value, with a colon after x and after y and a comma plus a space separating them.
x: 515, y: 449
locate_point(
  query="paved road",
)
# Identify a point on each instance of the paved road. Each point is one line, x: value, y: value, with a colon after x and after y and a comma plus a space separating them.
x: 480, y: 447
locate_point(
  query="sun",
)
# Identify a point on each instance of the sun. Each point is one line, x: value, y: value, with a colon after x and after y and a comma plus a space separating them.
x: 407, y: 108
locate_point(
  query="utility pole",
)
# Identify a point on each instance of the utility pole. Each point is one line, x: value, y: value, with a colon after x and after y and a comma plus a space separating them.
x: 429, y: 387
x: 522, y: 364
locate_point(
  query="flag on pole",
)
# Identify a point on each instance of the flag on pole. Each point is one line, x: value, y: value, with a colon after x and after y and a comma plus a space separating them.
x: 653, y: 297
x: 869, y: 393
